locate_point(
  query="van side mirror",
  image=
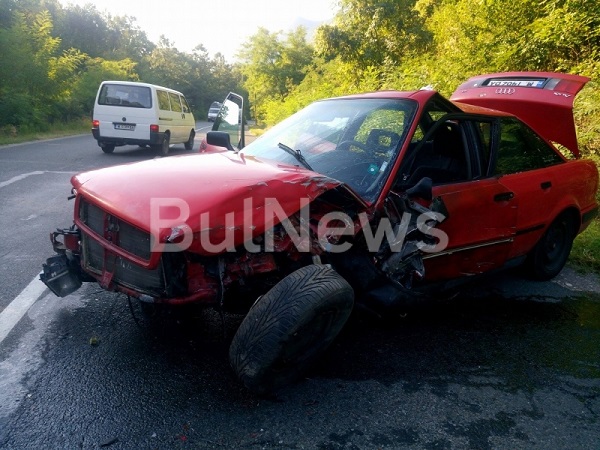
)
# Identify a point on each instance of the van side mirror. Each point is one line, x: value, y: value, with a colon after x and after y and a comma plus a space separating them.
x: 219, y: 139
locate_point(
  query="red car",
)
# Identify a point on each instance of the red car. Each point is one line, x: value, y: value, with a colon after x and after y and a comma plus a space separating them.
x: 380, y: 199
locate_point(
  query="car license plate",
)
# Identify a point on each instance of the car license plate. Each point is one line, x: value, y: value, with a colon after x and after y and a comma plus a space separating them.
x: 125, y: 126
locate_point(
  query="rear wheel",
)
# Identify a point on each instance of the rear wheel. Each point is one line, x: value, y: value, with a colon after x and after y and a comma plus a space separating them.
x: 108, y: 148
x: 190, y: 142
x: 550, y: 254
x: 289, y: 327
x: 163, y: 148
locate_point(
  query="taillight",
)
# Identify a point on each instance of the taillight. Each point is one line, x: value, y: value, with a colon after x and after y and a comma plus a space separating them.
x: 153, y: 128
x: 95, y: 124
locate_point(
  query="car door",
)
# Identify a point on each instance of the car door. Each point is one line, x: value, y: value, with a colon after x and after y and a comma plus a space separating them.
x: 482, y: 212
x: 531, y: 170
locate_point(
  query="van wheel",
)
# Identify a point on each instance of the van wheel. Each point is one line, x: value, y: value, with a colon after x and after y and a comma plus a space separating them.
x: 163, y: 149
x: 108, y: 148
x: 289, y: 327
x: 190, y: 142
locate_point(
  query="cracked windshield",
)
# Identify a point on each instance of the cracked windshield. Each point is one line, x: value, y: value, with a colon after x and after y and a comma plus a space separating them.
x: 354, y: 141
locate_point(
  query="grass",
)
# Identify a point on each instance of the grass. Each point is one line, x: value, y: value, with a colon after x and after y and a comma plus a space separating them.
x: 585, y: 255
x: 12, y: 135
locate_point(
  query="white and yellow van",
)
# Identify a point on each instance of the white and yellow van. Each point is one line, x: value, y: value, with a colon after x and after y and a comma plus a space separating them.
x: 131, y: 113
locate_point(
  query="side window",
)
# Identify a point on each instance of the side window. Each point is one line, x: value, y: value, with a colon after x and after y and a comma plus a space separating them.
x: 163, y: 100
x: 175, y: 104
x: 481, y: 153
x: 443, y: 156
x: 435, y: 109
x: 520, y: 149
x: 184, y: 104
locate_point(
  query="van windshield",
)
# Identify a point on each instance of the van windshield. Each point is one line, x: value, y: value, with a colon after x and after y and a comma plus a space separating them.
x: 125, y: 95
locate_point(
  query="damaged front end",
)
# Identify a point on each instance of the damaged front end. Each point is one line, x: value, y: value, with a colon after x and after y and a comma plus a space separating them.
x: 62, y: 272
x: 389, y: 273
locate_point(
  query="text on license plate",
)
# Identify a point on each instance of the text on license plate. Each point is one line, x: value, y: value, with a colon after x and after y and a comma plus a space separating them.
x: 125, y: 126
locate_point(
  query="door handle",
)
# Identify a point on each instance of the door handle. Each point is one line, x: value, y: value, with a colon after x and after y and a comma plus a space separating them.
x: 504, y: 196
x: 546, y: 185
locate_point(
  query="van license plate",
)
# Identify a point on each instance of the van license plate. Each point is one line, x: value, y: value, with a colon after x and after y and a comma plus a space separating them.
x: 124, y: 126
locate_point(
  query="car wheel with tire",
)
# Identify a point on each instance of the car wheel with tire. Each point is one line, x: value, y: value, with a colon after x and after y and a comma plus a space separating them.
x: 190, y: 142
x: 163, y: 148
x: 551, y: 252
x: 108, y: 148
x: 289, y: 327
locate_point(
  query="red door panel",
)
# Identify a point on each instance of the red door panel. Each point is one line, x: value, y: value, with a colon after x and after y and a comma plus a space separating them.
x: 480, y: 228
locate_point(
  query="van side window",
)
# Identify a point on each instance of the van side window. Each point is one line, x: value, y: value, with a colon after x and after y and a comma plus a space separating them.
x: 175, y: 104
x: 163, y: 100
x: 184, y: 103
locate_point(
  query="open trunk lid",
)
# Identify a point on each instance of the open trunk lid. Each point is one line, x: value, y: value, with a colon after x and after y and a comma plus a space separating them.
x: 543, y: 100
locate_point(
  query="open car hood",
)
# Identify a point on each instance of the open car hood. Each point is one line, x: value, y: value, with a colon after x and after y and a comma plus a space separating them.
x: 543, y: 100
x: 219, y: 184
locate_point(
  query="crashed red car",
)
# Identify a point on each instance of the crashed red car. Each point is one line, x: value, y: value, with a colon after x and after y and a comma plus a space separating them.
x: 378, y: 199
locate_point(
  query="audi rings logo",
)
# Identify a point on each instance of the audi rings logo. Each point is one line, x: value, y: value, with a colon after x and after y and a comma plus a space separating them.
x: 505, y: 91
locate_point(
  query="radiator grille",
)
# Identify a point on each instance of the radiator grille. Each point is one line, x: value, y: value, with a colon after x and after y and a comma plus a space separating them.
x: 127, y: 237
x: 120, y: 233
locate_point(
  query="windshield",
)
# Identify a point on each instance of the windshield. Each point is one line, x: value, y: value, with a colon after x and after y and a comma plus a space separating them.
x: 355, y: 141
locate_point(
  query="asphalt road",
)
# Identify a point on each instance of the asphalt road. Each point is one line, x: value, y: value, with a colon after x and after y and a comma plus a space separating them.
x: 508, y: 363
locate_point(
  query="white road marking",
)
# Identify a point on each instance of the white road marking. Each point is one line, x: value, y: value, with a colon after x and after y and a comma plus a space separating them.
x: 25, y: 175
x: 16, y: 309
x: 20, y: 177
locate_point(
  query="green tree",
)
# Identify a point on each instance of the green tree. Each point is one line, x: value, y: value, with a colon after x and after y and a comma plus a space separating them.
x: 272, y: 66
x: 374, y: 33
x: 97, y: 70
x: 30, y: 49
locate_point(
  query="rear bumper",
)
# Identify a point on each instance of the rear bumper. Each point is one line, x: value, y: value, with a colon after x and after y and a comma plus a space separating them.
x: 155, y: 139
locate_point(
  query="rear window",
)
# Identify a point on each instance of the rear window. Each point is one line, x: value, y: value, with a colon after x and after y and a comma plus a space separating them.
x: 125, y: 95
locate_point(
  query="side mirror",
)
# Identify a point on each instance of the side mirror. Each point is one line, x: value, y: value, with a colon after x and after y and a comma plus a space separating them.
x: 230, y: 119
x: 219, y: 139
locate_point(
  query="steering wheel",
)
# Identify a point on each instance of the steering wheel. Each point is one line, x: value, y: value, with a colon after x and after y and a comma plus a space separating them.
x: 362, y: 180
x: 351, y: 143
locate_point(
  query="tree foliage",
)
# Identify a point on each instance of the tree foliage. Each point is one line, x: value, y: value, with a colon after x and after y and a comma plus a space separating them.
x: 408, y: 44
x: 271, y: 66
x: 53, y: 59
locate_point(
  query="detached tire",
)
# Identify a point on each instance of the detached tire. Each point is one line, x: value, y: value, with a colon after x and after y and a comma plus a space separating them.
x: 550, y: 254
x: 289, y: 327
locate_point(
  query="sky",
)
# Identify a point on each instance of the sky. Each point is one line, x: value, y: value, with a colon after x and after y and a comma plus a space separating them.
x: 187, y: 23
